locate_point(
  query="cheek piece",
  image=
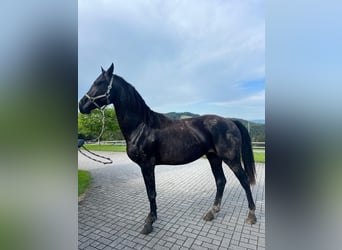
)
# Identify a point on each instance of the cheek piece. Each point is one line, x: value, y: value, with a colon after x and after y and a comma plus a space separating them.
x: 107, y: 94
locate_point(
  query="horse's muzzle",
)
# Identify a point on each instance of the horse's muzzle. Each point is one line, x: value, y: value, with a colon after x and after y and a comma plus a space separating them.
x: 84, y: 105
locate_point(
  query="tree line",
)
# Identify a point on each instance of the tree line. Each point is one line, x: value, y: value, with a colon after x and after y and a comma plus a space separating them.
x: 89, y: 126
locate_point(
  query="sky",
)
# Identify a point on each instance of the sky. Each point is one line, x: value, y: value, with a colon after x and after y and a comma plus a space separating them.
x: 204, y: 57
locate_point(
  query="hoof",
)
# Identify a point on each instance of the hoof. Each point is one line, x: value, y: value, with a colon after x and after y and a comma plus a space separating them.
x: 209, y: 216
x: 147, y: 228
x: 251, y: 219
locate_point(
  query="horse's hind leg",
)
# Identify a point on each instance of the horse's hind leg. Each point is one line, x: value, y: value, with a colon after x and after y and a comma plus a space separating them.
x: 240, y: 173
x: 216, y: 167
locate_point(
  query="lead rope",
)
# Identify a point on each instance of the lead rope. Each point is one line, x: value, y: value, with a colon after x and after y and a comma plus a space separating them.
x: 103, y: 123
x: 109, y: 161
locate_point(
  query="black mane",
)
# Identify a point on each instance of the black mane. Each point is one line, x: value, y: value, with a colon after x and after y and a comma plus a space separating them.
x: 134, y: 102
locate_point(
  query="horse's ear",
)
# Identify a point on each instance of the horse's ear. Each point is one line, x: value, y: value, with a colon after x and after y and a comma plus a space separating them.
x: 103, y: 71
x: 110, y: 70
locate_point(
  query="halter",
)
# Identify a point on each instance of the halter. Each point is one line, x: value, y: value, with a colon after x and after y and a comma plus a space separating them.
x: 92, y: 100
x: 107, y: 94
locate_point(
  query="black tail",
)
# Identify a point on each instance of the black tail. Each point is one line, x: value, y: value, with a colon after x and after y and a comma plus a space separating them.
x: 247, y: 152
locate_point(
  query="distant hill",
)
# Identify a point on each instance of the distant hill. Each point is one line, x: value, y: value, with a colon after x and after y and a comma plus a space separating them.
x: 256, y: 130
x: 182, y: 115
x: 256, y: 127
x: 260, y: 121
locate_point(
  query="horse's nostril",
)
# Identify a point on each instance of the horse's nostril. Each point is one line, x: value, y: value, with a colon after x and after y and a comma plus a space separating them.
x: 82, y: 106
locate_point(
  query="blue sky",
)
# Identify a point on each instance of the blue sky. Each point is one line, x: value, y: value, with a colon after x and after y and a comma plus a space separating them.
x: 205, y: 57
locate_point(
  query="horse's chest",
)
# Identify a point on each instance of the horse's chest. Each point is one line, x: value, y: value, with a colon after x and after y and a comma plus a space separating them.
x: 140, y: 153
x: 134, y: 152
x: 140, y: 145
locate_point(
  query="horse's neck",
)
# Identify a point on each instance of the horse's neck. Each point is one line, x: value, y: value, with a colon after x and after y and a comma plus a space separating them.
x: 130, y: 116
x: 127, y: 125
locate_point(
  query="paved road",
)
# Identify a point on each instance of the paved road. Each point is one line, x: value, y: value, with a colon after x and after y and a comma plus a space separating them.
x: 113, y: 210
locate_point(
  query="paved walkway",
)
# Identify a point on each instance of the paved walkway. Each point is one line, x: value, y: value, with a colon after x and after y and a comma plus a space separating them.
x: 113, y: 211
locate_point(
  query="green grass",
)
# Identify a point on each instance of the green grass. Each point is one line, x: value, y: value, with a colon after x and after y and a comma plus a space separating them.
x: 259, y: 156
x: 83, y: 181
x: 105, y: 147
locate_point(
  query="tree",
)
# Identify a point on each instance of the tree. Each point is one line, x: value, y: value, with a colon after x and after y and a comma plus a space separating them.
x: 90, y: 125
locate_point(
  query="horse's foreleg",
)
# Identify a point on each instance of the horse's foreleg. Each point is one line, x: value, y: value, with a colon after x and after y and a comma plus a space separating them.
x: 148, y: 174
x: 216, y: 167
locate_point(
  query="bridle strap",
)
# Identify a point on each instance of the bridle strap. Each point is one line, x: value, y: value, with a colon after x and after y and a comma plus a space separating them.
x: 107, y: 94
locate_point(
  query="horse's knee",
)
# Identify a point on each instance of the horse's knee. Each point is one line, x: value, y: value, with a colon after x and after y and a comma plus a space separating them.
x: 221, y: 182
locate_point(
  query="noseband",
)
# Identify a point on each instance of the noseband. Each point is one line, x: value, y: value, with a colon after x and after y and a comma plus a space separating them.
x: 107, y: 94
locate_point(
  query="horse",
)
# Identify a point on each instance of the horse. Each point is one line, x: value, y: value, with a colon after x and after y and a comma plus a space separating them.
x: 153, y: 139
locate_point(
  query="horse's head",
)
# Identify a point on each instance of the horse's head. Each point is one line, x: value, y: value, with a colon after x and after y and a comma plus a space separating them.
x: 99, y: 93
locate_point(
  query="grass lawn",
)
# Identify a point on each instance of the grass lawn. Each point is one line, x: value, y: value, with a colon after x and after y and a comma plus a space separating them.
x: 106, y: 147
x: 259, y: 156
x: 83, y: 181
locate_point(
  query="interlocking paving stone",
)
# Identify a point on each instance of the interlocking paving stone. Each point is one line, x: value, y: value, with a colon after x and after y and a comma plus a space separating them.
x: 114, y: 209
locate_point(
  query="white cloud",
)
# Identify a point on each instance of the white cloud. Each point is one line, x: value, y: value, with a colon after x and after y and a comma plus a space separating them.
x: 256, y: 99
x: 182, y: 50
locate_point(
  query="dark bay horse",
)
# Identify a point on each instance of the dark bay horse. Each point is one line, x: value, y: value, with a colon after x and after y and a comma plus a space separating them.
x: 153, y: 139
